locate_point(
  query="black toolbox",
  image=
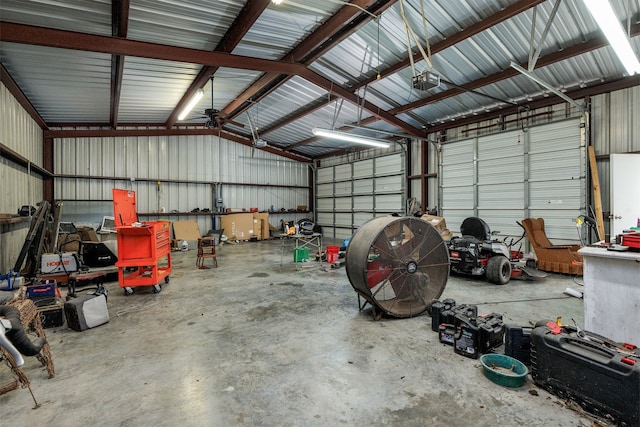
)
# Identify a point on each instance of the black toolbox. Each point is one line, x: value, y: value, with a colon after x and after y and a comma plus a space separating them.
x: 602, y: 376
x: 517, y: 342
x: 50, y: 310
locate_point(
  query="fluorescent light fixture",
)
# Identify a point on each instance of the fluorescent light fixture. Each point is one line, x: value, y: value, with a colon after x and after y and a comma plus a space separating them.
x: 196, y: 97
x: 606, y: 18
x: 276, y: 2
x: 342, y: 136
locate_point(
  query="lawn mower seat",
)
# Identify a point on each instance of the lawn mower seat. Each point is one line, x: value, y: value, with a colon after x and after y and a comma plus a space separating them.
x: 554, y: 258
x: 475, y: 227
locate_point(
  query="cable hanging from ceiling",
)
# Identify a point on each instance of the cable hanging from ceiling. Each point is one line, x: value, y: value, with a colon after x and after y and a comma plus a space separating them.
x: 426, y: 79
x: 410, y: 34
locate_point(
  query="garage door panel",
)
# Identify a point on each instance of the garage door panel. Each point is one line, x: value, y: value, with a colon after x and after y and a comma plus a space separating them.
x: 561, y: 196
x: 389, y: 203
x: 457, y: 175
x: 325, y: 218
x: 325, y: 175
x: 363, y: 203
x: 554, y: 137
x: 460, y: 152
x: 505, y: 145
x: 324, y: 204
x: 388, y: 183
x: 363, y: 169
x: 503, y: 221
x: 343, y: 172
x: 343, y: 219
x: 554, y: 166
x: 388, y: 165
x: 494, y: 171
x: 458, y: 198
x: 342, y: 189
x: 504, y: 196
x: 324, y: 190
x: 363, y: 186
x: 342, y: 203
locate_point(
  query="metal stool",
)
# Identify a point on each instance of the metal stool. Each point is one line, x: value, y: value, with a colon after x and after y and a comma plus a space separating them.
x: 206, y: 249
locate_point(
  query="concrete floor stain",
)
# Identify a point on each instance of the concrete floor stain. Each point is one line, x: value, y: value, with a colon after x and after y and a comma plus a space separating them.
x: 259, y: 274
x: 293, y: 284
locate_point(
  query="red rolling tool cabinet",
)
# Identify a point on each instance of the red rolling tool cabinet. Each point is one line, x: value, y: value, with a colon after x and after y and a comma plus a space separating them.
x: 144, y: 249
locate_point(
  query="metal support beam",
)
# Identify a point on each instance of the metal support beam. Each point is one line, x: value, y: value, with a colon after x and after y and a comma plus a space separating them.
x: 534, y: 55
x: 547, y: 86
x: 245, y: 20
x: 40, y: 36
x: 119, y: 28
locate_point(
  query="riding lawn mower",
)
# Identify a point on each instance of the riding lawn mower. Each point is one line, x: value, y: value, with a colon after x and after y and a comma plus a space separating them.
x: 477, y: 253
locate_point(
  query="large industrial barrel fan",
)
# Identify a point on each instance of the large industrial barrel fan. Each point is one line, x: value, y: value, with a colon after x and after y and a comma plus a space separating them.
x: 400, y: 265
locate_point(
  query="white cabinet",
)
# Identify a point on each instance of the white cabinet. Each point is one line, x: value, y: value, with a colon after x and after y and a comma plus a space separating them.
x: 612, y: 294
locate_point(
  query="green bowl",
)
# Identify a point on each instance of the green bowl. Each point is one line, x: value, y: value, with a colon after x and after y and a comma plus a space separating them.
x: 504, y: 370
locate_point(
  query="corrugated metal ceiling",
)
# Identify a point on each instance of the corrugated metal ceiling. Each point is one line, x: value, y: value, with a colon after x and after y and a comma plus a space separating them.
x: 75, y: 87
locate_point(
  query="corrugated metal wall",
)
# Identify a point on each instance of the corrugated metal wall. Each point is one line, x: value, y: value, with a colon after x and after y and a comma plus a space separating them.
x: 615, y: 128
x: 188, y: 169
x: 19, y: 133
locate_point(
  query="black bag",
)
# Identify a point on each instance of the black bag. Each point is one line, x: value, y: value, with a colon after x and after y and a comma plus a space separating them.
x: 26, y: 211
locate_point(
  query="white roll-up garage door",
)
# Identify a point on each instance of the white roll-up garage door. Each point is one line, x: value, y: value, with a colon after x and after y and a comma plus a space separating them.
x: 347, y: 195
x: 505, y: 177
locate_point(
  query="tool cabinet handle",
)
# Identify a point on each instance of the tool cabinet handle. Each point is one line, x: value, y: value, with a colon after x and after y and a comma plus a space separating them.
x: 587, y: 349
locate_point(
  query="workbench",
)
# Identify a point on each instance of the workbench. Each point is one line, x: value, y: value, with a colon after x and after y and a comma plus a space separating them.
x: 612, y: 293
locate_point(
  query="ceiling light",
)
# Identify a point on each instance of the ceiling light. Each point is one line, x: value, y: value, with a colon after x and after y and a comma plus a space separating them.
x: 343, y: 136
x: 196, y: 97
x: 604, y: 15
x: 276, y: 2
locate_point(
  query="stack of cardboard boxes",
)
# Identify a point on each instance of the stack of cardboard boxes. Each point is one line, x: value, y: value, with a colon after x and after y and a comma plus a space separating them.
x: 440, y: 224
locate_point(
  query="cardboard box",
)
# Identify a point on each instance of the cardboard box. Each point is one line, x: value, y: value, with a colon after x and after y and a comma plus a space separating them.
x: 186, y: 230
x: 68, y: 242
x: 238, y: 226
x: 261, y: 219
x: 439, y: 223
x: 88, y: 234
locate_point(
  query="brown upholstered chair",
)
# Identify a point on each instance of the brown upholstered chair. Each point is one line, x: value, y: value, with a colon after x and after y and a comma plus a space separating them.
x: 554, y: 258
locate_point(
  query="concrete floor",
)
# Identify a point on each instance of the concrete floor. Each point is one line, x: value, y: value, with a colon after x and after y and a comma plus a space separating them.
x: 258, y: 343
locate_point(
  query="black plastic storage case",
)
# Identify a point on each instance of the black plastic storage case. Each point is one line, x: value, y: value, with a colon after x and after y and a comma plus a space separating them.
x: 86, y: 311
x: 50, y: 310
x: 517, y: 342
x: 600, y: 378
